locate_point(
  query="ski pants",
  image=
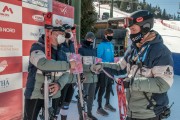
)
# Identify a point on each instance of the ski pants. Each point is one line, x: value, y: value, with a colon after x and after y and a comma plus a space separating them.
x: 104, y: 83
x: 88, y: 92
x: 32, y: 108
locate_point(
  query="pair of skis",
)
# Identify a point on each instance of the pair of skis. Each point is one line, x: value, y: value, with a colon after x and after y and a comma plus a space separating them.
x: 48, y: 110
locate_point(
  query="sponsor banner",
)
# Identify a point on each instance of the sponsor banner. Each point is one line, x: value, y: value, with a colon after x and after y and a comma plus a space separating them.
x: 11, y: 105
x: 10, y: 30
x: 33, y: 17
x: 59, y: 20
x: 9, y: 65
x: 25, y: 63
x: 32, y: 32
x: 10, y: 82
x: 15, y: 2
x: 63, y: 9
x: 40, y: 5
x: 25, y: 74
x: 10, y: 48
x: 11, y: 13
x: 27, y: 46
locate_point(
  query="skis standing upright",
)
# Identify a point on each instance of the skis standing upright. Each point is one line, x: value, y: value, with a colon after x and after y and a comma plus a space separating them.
x: 79, y: 84
x: 48, y: 110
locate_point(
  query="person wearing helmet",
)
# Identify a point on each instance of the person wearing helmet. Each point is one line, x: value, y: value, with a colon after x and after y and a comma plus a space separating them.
x: 149, y: 68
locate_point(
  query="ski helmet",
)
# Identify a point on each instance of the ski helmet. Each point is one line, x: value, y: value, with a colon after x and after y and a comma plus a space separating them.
x: 143, y: 18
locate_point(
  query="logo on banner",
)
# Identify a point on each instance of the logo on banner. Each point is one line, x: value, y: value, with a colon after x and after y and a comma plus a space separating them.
x: 6, y: 11
x: 4, y: 83
x: 7, y: 30
x: 8, y: 48
x: 3, y: 65
x: 64, y: 10
x: 58, y: 22
x: 38, y: 18
x: 37, y: 34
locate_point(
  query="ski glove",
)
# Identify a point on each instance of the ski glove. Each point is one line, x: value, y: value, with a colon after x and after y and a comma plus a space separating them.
x: 96, y: 68
x: 126, y: 82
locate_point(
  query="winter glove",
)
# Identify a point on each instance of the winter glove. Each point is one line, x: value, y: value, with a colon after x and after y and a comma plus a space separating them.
x: 53, y: 88
x: 96, y: 68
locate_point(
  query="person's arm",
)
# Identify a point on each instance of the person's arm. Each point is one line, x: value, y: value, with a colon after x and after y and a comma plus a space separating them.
x: 63, y: 80
x: 163, y: 76
x: 38, y: 59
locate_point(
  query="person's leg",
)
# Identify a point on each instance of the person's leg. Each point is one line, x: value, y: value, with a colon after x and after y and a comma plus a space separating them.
x: 108, y: 106
x: 90, y: 99
x: 32, y: 108
x: 102, y: 85
x: 65, y: 105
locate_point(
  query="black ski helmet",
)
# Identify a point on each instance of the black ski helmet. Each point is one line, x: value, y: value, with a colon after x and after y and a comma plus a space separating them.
x: 143, y: 18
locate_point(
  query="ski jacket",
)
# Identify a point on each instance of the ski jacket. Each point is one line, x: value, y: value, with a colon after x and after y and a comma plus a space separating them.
x: 38, y: 65
x: 88, y: 55
x: 153, y: 77
x: 105, y: 50
x: 64, y: 50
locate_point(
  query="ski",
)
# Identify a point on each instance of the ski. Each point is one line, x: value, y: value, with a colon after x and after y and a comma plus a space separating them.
x: 79, y: 84
x: 48, y: 111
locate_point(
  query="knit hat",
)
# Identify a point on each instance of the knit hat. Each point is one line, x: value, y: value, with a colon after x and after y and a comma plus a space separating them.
x: 90, y: 35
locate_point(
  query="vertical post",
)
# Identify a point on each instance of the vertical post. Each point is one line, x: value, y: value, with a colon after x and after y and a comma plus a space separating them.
x: 111, y: 10
x: 77, y: 18
x: 50, y: 6
x: 99, y: 10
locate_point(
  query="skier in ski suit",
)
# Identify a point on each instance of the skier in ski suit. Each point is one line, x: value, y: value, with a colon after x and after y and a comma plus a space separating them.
x: 149, y: 67
x: 88, y: 54
x: 38, y: 65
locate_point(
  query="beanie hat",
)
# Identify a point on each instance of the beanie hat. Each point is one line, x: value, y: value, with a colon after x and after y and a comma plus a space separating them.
x: 90, y: 35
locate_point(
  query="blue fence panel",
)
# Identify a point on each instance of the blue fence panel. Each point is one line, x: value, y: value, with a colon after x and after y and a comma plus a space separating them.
x: 176, y: 58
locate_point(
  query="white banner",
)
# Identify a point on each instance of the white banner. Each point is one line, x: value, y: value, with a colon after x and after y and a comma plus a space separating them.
x: 11, y: 13
x: 31, y: 32
x: 10, y: 48
x: 10, y: 82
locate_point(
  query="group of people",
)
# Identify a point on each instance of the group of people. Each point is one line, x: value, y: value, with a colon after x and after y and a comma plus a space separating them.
x: 147, y: 61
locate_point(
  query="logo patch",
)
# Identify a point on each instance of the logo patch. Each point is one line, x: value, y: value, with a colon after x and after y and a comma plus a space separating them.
x: 168, y: 72
x: 139, y: 19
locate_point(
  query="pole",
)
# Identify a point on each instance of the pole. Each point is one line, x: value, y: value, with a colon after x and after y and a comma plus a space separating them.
x: 77, y: 18
x: 99, y: 10
x: 111, y: 10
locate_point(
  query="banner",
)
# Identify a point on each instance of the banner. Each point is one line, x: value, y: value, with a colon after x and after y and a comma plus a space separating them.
x: 21, y: 24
